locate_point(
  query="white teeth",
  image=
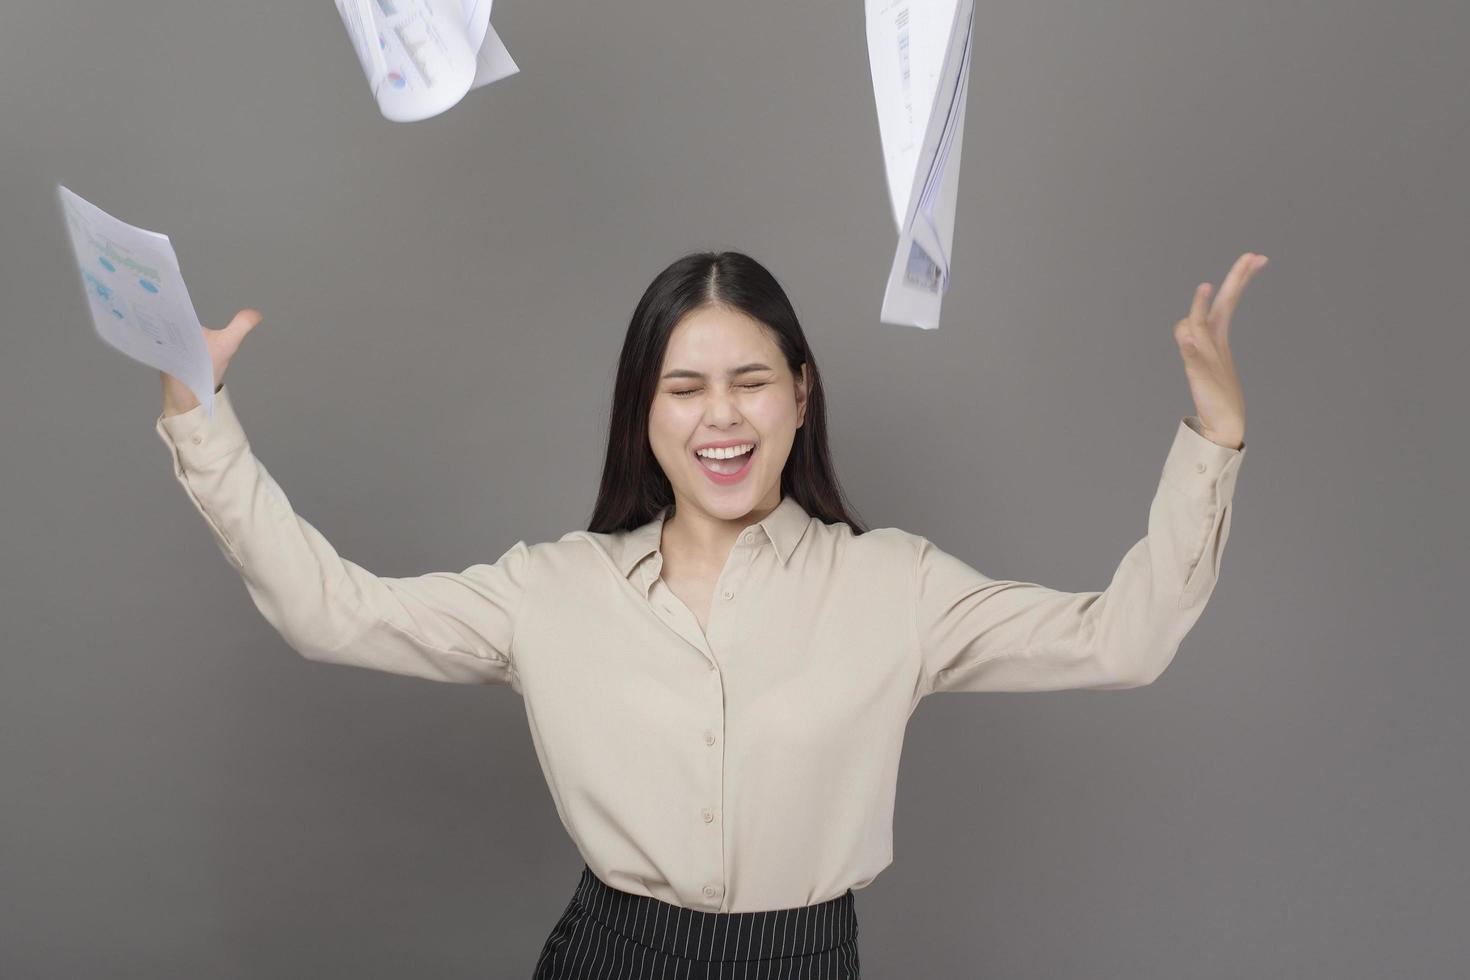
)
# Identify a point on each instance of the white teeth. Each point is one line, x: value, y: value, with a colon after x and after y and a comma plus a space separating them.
x: 725, y: 453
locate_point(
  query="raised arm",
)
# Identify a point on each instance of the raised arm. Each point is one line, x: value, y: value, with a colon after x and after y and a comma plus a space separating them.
x: 445, y: 626
x: 978, y: 634
x: 975, y: 633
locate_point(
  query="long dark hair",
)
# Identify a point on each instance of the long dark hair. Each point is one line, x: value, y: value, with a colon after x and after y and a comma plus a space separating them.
x: 634, y: 487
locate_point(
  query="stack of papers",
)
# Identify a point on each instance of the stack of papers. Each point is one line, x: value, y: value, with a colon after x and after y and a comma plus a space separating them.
x: 137, y: 295
x: 919, y: 53
x: 422, y: 56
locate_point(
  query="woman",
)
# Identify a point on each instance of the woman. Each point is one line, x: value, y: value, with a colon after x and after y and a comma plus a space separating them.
x: 719, y: 670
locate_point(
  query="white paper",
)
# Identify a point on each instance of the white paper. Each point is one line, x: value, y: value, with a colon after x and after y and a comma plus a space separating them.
x: 421, y: 56
x: 919, y: 55
x: 137, y: 295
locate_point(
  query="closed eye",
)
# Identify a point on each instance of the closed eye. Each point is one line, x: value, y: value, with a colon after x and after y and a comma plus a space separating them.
x: 690, y: 391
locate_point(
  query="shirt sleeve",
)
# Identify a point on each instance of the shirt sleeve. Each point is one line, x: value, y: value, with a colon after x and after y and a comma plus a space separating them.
x: 975, y: 633
x: 444, y: 626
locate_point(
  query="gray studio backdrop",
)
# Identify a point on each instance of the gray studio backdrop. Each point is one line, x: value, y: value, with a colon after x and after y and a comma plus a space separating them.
x: 182, y: 795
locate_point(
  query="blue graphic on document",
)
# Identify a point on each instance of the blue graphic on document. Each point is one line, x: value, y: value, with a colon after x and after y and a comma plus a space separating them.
x: 103, y: 293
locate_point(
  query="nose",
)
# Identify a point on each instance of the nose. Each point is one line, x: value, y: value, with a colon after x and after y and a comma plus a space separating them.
x: 721, y: 412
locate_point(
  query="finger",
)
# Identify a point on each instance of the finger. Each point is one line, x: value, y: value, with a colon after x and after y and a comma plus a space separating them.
x: 1201, y: 298
x: 1184, y: 338
x: 244, y: 322
x: 1256, y: 264
x: 1193, y: 342
x: 1230, y: 290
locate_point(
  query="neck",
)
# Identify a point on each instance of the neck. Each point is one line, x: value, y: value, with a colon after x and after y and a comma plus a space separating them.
x: 706, y: 539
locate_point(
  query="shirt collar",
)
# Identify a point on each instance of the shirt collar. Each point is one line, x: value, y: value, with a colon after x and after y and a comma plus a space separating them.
x: 784, y: 526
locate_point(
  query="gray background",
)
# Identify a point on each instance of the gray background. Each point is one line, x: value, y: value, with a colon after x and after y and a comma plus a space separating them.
x: 444, y: 302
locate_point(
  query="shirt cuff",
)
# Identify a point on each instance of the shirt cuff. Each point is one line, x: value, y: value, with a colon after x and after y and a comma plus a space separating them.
x: 1197, y: 466
x: 197, y: 440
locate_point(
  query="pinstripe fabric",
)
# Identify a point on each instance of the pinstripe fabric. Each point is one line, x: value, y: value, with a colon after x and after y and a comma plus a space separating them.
x: 613, y: 935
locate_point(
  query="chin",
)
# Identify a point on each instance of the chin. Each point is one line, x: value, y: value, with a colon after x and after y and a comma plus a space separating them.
x: 735, y: 504
x: 730, y: 504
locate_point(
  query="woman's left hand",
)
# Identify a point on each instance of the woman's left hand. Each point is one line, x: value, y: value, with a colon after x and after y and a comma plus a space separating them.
x: 1204, y: 343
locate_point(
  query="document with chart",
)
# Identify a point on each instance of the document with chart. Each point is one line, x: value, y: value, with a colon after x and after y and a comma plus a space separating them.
x: 422, y: 56
x: 137, y: 295
x: 919, y: 54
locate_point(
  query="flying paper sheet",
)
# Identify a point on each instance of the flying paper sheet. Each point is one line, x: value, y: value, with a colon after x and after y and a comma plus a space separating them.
x: 137, y: 295
x: 422, y: 56
x: 919, y: 53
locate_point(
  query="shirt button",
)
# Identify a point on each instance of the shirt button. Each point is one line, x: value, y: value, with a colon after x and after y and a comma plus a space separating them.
x: 197, y: 440
x: 710, y: 891
x: 712, y: 668
x: 709, y: 814
x: 1199, y: 467
x: 749, y: 537
x: 728, y: 594
x: 709, y: 738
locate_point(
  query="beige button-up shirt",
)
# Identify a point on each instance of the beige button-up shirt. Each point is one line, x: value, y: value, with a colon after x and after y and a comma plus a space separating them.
x: 752, y: 765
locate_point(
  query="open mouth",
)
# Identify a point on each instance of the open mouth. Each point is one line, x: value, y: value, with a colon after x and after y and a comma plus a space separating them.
x: 735, y: 466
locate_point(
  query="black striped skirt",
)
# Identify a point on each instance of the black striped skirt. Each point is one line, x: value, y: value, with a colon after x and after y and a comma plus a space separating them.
x: 613, y: 934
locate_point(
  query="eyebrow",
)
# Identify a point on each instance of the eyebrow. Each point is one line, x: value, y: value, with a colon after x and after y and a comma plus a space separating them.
x: 742, y: 369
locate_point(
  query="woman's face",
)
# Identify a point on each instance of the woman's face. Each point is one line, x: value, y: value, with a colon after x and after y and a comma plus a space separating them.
x: 724, y: 380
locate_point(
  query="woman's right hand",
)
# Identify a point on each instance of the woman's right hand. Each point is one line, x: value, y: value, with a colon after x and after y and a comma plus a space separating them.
x: 222, y: 347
